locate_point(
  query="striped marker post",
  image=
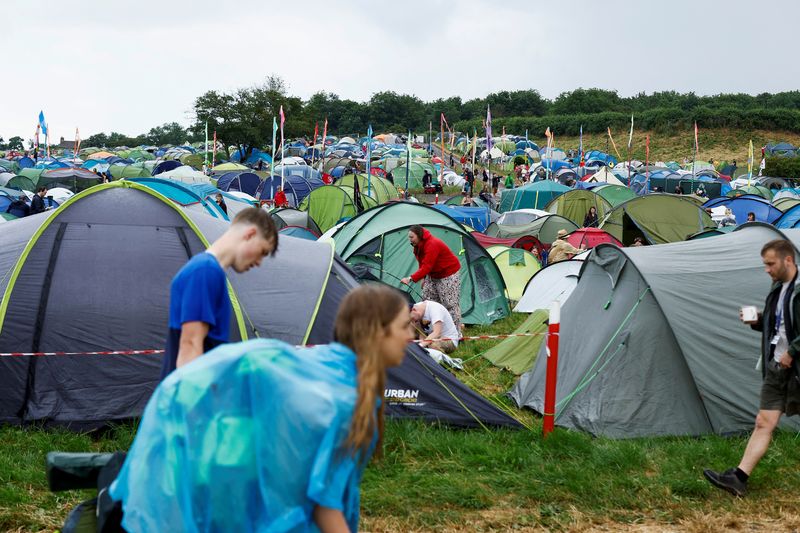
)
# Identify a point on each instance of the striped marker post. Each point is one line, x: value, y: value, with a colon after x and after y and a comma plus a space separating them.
x: 552, y: 370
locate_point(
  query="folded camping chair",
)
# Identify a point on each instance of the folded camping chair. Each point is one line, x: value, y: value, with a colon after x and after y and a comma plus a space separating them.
x: 76, y: 471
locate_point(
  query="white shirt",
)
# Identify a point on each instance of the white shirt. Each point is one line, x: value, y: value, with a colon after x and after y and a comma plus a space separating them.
x: 436, y: 312
x: 783, y: 342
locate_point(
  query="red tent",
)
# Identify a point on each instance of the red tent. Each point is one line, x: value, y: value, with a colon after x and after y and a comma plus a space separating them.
x: 590, y: 237
x: 526, y: 242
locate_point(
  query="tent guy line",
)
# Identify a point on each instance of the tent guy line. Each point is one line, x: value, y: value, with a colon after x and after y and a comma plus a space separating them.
x: 156, y: 352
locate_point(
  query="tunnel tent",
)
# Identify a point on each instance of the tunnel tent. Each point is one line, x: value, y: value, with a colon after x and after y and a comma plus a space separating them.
x: 129, y: 171
x: 376, y: 187
x: 657, y: 218
x: 284, y: 217
x: 517, y: 267
x: 611, y: 380
x: 296, y: 186
x: 534, y: 195
x: 330, y: 204
x: 378, y: 239
x: 73, y: 179
x: 575, y: 205
x: 614, y: 194
x: 247, y: 182
x: 545, y: 229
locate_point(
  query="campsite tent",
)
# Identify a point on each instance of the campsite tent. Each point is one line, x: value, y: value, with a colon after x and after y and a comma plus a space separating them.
x: 129, y: 171
x: 74, y: 179
x: 658, y: 218
x: 517, y: 354
x: 575, y: 204
x: 611, y: 379
x: 378, y: 239
x: 64, y: 270
x: 284, y: 217
x: 555, y: 282
x: 247, y: 182
x: 590, y: 237
x: 742, y: 205
x: 330, y: 204
x: 789, y: 219
x: 184, y: 195
x: 545, y: 229
x: 295, y: 185
x: 531, y: 196
x: 477, y: 218
x: 517, y: 267
x: 615, y: 194
x: 376, y: 187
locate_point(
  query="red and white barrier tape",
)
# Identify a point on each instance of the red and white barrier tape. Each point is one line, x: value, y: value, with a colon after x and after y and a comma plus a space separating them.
x: 158, y: 352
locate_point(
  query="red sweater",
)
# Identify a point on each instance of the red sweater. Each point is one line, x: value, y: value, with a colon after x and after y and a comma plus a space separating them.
x: 435, y: 258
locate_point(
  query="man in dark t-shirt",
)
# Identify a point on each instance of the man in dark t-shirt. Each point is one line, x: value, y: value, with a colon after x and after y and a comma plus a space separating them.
x: 200, y: 307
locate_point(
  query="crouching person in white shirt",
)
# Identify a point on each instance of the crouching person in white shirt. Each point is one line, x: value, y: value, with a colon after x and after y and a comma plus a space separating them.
x: 439, y: 327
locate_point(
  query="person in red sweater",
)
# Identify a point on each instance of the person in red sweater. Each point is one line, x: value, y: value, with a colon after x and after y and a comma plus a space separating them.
x: 280, y: 198
x: 438, y: 270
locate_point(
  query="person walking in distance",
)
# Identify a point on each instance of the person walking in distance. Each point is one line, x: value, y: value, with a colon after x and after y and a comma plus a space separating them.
x: 438, y: 271
x: 779, y: 324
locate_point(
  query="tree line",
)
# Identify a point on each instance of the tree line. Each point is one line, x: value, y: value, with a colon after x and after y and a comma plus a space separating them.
x: 244, y: 118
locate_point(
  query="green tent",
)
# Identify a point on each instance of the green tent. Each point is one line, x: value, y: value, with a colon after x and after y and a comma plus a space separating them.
x: 786, y: 203
x: 517, y: 266
x: 531, y: 196
x: 658, y: 218
x: 7, y: 217
x: 416, y: 170
x: 376, y: 242
x: 615, y: 194
x: 543, y: 228
x: 128, y: 171
x: 9, y: 166
x: 575, y: 205
x: 380, y: 189
x: 713, y: 232
x: 23, y: 182
x: 518, y: 354
x: 193, y: 160
x: 329, y: 204
x: 32, y: 174
x: 757, y: 190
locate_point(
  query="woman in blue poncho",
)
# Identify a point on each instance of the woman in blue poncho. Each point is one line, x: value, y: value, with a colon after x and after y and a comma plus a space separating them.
x: 263, y: 436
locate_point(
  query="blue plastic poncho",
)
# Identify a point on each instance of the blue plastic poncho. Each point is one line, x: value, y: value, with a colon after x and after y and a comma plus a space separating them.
x: 247, y: 438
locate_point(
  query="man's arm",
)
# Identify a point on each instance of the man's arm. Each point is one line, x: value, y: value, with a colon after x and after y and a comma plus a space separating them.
x: 436, y: 333
x: 193, y: 334
x: 330, y: 520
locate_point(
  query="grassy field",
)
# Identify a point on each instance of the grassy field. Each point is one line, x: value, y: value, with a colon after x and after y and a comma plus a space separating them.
x: 438, y: 479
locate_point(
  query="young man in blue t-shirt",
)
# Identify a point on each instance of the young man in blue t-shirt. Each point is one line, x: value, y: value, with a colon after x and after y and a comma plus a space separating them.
x: 200, y: 307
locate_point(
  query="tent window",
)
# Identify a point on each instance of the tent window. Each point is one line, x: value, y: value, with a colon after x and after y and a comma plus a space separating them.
x: 485, y: 292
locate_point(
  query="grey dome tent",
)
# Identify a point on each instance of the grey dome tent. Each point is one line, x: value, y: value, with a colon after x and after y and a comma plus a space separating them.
x: 94, y: 275
x: 651, y: 342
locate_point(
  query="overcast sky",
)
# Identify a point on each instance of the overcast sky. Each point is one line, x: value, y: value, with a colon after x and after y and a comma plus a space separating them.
x: 122, y: 66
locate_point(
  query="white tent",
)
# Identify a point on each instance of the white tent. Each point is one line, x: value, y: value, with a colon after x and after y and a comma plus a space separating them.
x: 60, y: 194
x: 604, y: 176
x: 520, y: 217
x: 185, y: 174
x: 555, y: 282
x: 495, y: 152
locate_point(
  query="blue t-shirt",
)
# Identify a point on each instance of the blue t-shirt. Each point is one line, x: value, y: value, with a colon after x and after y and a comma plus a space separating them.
x: 199, y: 293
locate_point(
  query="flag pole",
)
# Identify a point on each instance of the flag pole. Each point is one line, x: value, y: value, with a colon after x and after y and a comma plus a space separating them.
x: 214, y: 151
x: 369, y: 161
x: 408, y: 161
x: 630, y: 145
x: 205, y: 153
x: 694, y: 157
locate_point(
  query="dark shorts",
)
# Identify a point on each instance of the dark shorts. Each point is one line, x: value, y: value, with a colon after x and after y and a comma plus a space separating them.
x: 780, y: 390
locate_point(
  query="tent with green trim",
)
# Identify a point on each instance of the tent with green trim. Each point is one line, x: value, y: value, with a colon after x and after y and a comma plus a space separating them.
x: 531, y: 196
x: 615, y: 194
x: 128, y: 171
x: 517, y: 266
x: 517, y: 354
x: 651, y: 342
x: 543, y: 228
x: 330, y: 204
x: 94, y: 275
x: 786, y: 203
x: 575, y: 205
x: 757, y: 190
x: 376, y: 242
x: 380, y: 189
x: 657, y: 218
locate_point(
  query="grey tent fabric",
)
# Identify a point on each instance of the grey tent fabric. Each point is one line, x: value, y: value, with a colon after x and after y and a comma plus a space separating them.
x: 98, y: 279
x: 651, y: 343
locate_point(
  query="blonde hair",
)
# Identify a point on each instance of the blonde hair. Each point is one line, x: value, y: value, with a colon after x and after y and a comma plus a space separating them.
x: 364, y: 317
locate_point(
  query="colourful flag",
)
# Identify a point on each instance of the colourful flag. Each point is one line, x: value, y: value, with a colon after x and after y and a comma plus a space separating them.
x: 750, y: 163
x: 696, y: 142
x: 316, y: 133
x: 214, y: 151
x: 613, y: 143
x: 580, y: 148
x: 283, y: 118
x: 369, y: 162
x: 488, y: 128
x: 283, y: 167
x: 77, y: 145
x: 42, y: 123
x: 324, y: 134
x: 274, y: 139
